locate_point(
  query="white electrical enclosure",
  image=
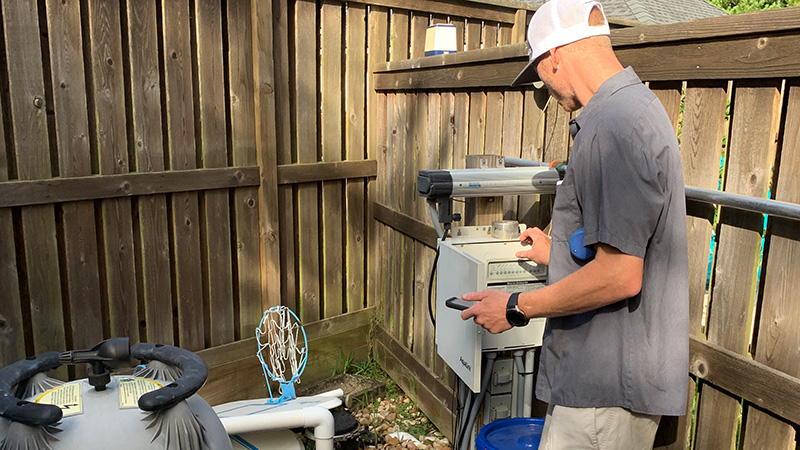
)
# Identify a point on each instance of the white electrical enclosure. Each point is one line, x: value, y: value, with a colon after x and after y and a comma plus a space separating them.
x: 474, y: 261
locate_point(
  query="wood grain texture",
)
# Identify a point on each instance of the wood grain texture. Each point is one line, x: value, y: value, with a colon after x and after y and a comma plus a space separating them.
x: 110, y: 143
x: 243, y: 150
x: 355, y: 150
x: 152, y: 230
x: 777, y: 342
x: 68, y: 87
x: 306, y: 119
x: 266, y: 149
x: 750, y: 158
x: 284, y: 153
x: 214, y: 215
x: 184, y: 207
x: 377, y: 24
x: 60, y: 190
x: 31, y: 155
x: 702, y: 135
x: 331, y: 114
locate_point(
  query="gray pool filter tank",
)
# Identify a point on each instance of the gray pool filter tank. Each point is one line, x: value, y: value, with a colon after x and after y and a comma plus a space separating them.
x: 156, y: 408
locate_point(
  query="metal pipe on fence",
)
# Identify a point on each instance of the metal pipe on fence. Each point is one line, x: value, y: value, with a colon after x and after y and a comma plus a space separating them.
x: 741, y: 202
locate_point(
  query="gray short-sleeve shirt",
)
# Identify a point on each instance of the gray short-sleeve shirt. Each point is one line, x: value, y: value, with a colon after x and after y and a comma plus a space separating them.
x: 624, y: 185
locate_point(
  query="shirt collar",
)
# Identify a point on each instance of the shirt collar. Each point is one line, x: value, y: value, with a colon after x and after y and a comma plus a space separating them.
x: 621, y: 79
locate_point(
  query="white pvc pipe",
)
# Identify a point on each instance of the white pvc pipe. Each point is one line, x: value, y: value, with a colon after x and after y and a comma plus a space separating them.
x: 528, y: 391
x: 316, y: 417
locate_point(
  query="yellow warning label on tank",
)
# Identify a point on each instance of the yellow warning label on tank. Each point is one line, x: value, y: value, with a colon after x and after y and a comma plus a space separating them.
x: 131, y: 388
x: 67, y: 397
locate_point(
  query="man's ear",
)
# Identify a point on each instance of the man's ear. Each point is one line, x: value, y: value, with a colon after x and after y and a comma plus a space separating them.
x: 555, y: 57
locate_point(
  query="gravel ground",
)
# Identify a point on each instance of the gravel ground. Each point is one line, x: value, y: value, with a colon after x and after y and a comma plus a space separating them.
x: 401, y: 424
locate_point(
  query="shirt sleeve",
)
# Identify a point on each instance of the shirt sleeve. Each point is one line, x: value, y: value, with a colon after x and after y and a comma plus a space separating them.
x: 620, y: 190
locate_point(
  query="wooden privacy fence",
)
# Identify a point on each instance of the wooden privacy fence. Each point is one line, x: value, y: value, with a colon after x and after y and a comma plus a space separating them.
x: 150, y: 151
x: 731, y: 86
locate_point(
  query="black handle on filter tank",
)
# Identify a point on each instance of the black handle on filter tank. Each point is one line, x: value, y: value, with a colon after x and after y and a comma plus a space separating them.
x: 193, y: 374
x: 18, y: 410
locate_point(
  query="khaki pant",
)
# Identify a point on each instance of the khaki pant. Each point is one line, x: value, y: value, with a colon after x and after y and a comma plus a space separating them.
x: 597, y: 429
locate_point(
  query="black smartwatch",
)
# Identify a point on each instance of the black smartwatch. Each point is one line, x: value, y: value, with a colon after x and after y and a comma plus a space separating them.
x: 514, y: 315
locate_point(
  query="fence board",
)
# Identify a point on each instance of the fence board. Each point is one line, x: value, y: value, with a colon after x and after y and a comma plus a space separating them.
x: 305, y: 100
x: 151, y: 239
x: 184, y: 208
x: 703, y: 129
x: 283, y: 127
x: 110, y: 143
x: 30, y: 146
x: 532, y: 208
x: 243, y: 148
x: 355, y: 132
x: 12, y: 337
x: 777, y: 341
x: 512, y: 143
x: 215, y: 226
x: 266, y: 150
x: 489, y: 39
x: 749, y: 165
x: 387, y: 165
x: 68, y: 87
x: 377, y: 43
x: 331, y: 89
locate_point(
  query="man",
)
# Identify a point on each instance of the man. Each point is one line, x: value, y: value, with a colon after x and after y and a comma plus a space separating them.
x: 615, y: 350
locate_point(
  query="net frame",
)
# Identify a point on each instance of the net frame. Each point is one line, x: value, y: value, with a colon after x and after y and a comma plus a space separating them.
x: 278, y: 333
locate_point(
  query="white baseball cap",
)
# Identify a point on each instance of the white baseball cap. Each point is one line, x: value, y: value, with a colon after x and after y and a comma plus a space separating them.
x: 557, y: 23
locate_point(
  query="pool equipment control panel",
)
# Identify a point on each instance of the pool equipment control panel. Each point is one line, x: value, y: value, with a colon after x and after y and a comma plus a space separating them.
x: 473, y: 260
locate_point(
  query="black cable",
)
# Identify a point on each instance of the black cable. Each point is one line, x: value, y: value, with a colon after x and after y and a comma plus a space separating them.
x: 430, y: 288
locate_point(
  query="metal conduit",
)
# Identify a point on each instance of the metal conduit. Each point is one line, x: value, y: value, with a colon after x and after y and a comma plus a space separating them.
x: 741, y: 202
x: 758, y: 205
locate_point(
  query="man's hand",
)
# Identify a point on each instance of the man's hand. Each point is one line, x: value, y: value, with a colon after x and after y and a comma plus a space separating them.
x: 489, y: 311
x: 540, y: 246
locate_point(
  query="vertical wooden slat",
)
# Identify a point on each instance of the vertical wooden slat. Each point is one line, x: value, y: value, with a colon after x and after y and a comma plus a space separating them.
x: 355, y: 123
x: 283, y: 138
x: 31, y: 149
x: 489, y: 34
x: 152, y: 240
x: 305, y: 98
x: 12, y: 335
x: 429, y: 159
x: 110, y: 142
x: 532, y: 210
x: 519, y: 30
x: 400, y: 155
x: 777, y: 342
x: 701, y: 147
x: 505, y: 34
x: 243, y: 143
x: 511, y: 145
x: 264, y: 53
x: 210, y: 116
x: 473, y: 35
x: 749, y: 165
x: 460, y: 136
x: 556, y: 133
x: 419, y: 259
x: 396, y: 145
x: 184, y: 207
x: 72, y: 139
x: 460, y: 30
x: 331, y: 90
x: 387, y: 164
x: 376, y: 149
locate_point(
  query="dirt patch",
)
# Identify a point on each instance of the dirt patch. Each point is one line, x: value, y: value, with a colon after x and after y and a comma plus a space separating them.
x: 356, y: 388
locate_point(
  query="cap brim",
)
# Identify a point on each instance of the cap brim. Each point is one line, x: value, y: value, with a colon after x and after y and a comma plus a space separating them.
x: 527, y: 76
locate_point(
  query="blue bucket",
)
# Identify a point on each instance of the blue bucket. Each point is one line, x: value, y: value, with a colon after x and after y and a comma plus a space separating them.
x: 521, y: 433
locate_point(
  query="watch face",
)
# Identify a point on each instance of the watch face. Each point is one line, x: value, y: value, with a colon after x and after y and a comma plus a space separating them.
x: 516, y: 317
